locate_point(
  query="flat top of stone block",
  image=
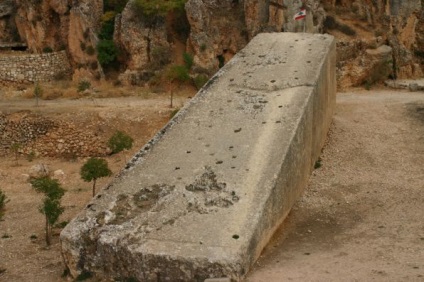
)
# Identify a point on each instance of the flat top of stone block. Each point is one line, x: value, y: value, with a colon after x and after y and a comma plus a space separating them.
x: 197, y: 187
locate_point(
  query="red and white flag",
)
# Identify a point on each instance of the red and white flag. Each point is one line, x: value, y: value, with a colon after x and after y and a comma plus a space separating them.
x: 300, y: 15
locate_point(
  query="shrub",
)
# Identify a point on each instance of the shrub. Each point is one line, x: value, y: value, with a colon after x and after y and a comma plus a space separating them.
x: 159, y: 7
x: 93, y: 65
x: 177, y: 73
x: 346, y: 29
x: 173, y: 113
x: 38, y: 92
x: 114, y: 5
x: 188, y: 60
x: 93, y: 169
x: 86, y: 34
x: 120, y: 141
x: 200, y: 80
x: 159, y: 57
x: 16, y: 147
x: 90, y: 50
x: 380, y: 71
x: 108, y: 26
x: 107, y: 53
x: 2, y: 202
x: 83, y: 46
x: 83, y: 85
x: 47, y: 49
x: 180, y: 25
x: 331, y: 23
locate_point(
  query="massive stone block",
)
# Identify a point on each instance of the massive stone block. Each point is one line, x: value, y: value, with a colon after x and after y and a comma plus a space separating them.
x: 205, y: 195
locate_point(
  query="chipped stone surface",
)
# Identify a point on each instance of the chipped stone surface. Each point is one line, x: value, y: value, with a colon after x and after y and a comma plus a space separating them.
x: 204, y: 196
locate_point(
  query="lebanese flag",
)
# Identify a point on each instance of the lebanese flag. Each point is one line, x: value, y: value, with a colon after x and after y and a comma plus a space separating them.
x: 300, y: 15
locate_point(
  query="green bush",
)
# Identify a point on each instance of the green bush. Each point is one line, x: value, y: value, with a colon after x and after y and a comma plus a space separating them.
x: 83, y: 85
x: 346, y: 29
x: 120, y: 141
x: 159, y: 7
x: 90, y: 50
x: 2, y: 202
x: 200, y: 80
x: 108, y: 26
x: 47, y: 49
x: 107, y: 53
x: 188, y: 60
x: 114, y: 5
x: 177, y: 73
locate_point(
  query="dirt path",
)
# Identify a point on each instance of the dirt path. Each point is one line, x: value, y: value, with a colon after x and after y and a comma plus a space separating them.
x: 362, y: 216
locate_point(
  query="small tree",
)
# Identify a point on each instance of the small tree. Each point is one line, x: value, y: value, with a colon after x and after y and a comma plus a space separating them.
x: 51, y: 206
x: 38, y: 92
x: 176, y: 75
x: 93, y: 169
x: 119, y: 142
x: 2, y: 202
x: 15, y: 149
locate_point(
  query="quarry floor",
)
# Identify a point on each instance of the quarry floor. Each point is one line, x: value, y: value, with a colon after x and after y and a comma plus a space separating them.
x: 360, y: 218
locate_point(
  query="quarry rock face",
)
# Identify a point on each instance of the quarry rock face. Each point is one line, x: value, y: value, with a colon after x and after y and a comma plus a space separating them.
x: 58, y: 25
x: 7, y: 24
x: 400, y: 25
x: 218, y: 30
x: 204, y: 196
x: 142, y: 41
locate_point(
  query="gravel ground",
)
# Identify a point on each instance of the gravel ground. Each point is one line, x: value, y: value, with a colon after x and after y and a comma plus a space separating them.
x: 362, y: 216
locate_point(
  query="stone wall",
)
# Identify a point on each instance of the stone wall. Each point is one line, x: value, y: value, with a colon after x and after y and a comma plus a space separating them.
x: 33, y: 67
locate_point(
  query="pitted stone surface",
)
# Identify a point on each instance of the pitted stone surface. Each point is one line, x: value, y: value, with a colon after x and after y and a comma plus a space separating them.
x: 204, y: 196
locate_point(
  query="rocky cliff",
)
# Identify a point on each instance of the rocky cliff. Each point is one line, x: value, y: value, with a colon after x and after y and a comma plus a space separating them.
x: 52, y: 25
x: 214, y: 30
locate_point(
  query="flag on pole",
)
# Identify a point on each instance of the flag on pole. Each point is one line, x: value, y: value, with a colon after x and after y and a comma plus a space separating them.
x: 300, y: 15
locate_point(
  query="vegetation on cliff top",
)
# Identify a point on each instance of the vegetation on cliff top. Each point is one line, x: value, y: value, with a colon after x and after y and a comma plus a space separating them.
x: 159, y: 7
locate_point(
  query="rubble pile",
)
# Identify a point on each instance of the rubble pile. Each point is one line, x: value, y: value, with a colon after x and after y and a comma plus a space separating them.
x: 39, y: 136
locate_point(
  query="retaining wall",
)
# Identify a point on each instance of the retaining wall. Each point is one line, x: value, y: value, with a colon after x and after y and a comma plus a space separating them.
x: 203, y: 198
x: 33, y: 67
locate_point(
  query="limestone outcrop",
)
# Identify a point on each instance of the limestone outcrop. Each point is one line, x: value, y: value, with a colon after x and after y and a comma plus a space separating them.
x: 216, y: 31
x: 56, y: 25
x: 7, y: 24
x: 143, y: 42
x: 395, y: 23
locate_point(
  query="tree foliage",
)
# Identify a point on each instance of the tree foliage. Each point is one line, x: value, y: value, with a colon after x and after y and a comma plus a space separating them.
x: 114, y: 5
x: 159, y: 8
x: 107, y: 53
x: 93, y: 169
x: 51, y: 207
x: 120, y: 141
x: 177, y: 73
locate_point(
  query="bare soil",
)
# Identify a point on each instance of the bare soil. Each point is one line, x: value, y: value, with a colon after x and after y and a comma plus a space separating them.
x: 360, y: 218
